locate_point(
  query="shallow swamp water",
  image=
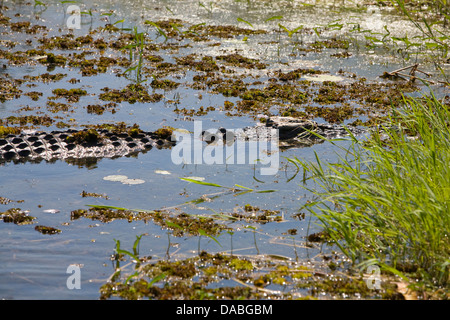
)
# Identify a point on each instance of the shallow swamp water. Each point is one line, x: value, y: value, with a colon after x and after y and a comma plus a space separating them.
x: 228, y: 64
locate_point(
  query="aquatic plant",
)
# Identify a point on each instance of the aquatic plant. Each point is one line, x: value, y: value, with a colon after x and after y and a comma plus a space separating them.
x: 290, y: 33
x: 136, y: 51
x: 158, y: 28
x: 4, y: 131
x: 386, y: 201
x: 209, y: 9
x: 238, y: 189
x: 39, y: 3
x: 434, y: 40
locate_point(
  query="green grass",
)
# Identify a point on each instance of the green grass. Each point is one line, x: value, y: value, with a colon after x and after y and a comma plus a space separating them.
x: 390, y: 204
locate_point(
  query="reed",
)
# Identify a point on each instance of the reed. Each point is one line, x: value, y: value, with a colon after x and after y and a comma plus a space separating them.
x: 388, y: 199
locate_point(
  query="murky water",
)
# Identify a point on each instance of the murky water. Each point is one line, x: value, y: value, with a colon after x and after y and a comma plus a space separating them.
x: 33, y: 265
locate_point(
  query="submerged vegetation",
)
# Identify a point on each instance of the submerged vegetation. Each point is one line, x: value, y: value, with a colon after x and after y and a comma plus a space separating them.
x: 223, y: 276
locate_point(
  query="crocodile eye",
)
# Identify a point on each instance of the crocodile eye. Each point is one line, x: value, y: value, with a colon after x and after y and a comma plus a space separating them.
x: 209, y: 137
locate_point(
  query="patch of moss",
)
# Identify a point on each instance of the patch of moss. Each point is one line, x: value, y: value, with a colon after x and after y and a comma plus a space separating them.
x: 254, y: 94
x: 103, y: 215
x: 241, y: 264
x: 120, y: 127
x: 237, y: 60
x: 4, y: 131
x: 344, y: 54
x: 90, y: 136
x: 335, y: 114
x: 164, y: 84
x: 47, y: 230
x: 205, y: 64
x: 255, y: 214
x: 16, y: 216
x: 164, y: 132
x: 184, y: 224
x: 46, y: 77
x: 55, y: 107
x: 100, y: 109
x: 90, y: 67
x: 31, y: 119
x: 291, y: 112
x: 65, y: 42
x: 227, y: 87
x: 4, y: 200
x: 100, y: 44
x: 332, y: 43
x: 223, y: 31
x: 25, y: 26
x: 132, y: 93
x: 55, y: 59
x: 321, y: 236
x: 85, y: 194
x: 153, y: 58
x: 72, y: 95
x: 170, y: 26
x: 9, y: 90
x: 180, y: 225
x: 62, y: 125
x: 296, y: 74
x: 328, y: 94
x: 34, y: 95
x: 4, y: 19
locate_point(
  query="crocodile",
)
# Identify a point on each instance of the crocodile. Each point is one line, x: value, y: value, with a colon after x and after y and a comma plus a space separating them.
x: 78, y: 146
x: 290, y: 132
x: 88, y: 145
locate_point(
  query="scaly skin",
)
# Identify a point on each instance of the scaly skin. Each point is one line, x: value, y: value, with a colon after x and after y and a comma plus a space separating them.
x: 39, y: 146
x: 290, y: 132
